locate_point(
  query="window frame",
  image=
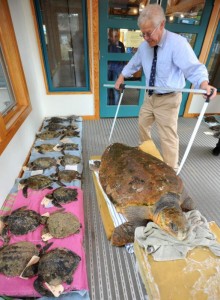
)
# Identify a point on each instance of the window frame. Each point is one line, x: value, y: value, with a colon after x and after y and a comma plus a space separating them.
x: 13, y: 119
x: 45, y: 61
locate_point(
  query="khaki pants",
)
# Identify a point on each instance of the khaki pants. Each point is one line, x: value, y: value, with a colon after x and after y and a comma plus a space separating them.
x: 164, y: 111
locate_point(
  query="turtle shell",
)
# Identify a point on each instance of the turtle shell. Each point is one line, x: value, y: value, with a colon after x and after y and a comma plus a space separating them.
x: 47, y: 135
x: 69, y: 159
x: 62, y: 224
x: 14, y: 257
x: 68, y: 175
x: 63, y: 195
x: 56, y: 267
x: 130, y: 176
x: 22, y: 221
x: 68, y: 146
x: 35, y: 182
x: 54, y: 126
x: 70, y: 133
x: 43, y: 148
x: 42, y: 163
x: 143, y: 187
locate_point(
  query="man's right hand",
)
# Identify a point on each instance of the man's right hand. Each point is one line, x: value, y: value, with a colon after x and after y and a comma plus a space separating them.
x: 119, y: 81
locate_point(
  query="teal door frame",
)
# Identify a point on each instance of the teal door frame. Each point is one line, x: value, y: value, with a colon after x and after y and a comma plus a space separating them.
x: 131, y: 23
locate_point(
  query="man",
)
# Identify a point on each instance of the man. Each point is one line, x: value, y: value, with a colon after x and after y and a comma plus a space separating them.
x: 114, y: 67
x: 175, y: 61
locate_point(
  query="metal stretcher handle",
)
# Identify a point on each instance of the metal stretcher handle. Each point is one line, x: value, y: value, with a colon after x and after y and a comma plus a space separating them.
x: 141, y: 87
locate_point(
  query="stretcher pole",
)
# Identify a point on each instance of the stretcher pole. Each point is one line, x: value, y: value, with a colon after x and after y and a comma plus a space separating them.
x: 122, y: 88
x: 194, y: 132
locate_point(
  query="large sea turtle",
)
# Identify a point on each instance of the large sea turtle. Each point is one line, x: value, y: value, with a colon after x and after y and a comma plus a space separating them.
x: 143, y: 187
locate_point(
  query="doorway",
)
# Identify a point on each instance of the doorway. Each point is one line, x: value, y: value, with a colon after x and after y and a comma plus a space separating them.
x: 119, y: 18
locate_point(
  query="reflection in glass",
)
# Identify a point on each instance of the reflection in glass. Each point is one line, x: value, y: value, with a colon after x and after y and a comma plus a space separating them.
x: 63, y: 34
x: 130, y: 39
x: 7, y: 100
x: 130, y: 97
x: 184, y: 11
x: 126, y: 8
x: 214, y: 62
x: 191, y: 37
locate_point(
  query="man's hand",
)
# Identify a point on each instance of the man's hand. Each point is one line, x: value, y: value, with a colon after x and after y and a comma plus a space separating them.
x: 205, y: 86
x: 119, y: 81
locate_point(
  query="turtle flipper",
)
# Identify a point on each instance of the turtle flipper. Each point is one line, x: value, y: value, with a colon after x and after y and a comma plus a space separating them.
x: 25, y: 191
x: 39, y: 287
x: 124, y: 233
x: 187, y: 203
x: 30, y: 271
x: 133, y: 213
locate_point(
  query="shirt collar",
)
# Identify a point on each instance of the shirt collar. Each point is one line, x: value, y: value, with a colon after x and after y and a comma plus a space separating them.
x: 163, y: 38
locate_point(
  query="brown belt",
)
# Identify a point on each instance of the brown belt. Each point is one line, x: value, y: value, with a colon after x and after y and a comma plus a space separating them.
x: 164, y: 94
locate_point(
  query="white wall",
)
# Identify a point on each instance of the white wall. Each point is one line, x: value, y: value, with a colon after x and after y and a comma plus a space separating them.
x: 198, y: 101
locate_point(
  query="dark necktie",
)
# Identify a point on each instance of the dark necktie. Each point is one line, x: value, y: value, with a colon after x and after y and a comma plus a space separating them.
x: 153, y: 71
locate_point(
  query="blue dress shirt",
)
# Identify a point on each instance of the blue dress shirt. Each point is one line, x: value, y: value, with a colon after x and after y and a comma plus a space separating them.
x: 176, y: 61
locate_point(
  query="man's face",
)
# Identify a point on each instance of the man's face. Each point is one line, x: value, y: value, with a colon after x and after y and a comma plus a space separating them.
x: 151, y: 33
x: 114, y: 37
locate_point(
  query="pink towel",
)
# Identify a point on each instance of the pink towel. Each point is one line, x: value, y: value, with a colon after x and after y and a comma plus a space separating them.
x: 15, y: 286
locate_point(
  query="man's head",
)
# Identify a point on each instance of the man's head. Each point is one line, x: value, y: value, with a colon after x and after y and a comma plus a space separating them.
x: 113, y: 35
x: 151, y: 23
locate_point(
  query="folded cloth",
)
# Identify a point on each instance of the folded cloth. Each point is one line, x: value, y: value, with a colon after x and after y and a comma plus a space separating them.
x: 165, y: 247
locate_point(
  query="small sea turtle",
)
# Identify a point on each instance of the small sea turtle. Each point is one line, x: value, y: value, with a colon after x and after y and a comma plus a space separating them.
x: 37, y: 182
x: 66, y: 175
x: 61, y: 224
x: 62, y: 195
x: 42, y: 163
x: 15, y: 257
x: 67, y: 147
x: 56, y: 267
x: 54, y: 126
x: 69, y: 159
x: 20, y: 222
x: 44, y: 148
x: 215, y: 128
x: 70, y: 133
x: 62, y: 119
x: 143, y: 187
x: 48, y: 135
x: 210, y: 119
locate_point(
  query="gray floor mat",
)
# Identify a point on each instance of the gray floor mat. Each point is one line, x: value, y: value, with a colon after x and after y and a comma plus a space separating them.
x: 112, y: 271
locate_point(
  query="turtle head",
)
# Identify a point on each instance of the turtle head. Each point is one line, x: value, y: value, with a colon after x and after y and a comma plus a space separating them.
x: 174, y: 222
x: 170, y: 217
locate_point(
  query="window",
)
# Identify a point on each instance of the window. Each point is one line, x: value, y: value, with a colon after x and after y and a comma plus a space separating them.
x: 14, y: 99
x: 63, y: 33
x: 213, y: 63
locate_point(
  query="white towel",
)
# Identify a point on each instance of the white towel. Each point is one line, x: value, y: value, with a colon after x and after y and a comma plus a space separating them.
x: 165, y: 247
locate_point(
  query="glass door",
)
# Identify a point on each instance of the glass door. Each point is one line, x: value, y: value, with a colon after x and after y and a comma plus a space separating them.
x: 120, y: 38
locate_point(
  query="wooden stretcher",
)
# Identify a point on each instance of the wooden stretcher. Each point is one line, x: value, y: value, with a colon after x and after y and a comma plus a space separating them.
x: 197, y: 277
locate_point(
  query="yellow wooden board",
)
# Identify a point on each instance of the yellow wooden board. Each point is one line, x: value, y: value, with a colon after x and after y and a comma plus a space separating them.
x: 197, y: 277
x: 103, y: 208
